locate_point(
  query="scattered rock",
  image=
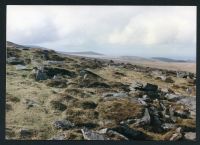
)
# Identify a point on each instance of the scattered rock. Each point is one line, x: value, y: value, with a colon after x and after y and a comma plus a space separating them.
x: 190, y: 136
x: 172, y: 97
x: 20, y: 67
x: 30, y: 103
x: 136, y: 85
x: 168, y: 126
x: 91, y: 135
x: 181, y: 74
x: 130, y: 133
x: 58, y: 137
x: 163, y: 78
x: 87, y: 74
x: 182, y: 113
x: 118, y: 95
x: 52, y: 71
x: 175, y: 137
x: 150, y: 87
x: 190, y: 102
x: 155, y: 119
x: 25, y: 133
x: 142, y: 101
x: 40, y: 75
x: 15, y: 61
x: 171, y: 114
x: 113, y: 135
x: 145, y: 120
x: 63, y: 124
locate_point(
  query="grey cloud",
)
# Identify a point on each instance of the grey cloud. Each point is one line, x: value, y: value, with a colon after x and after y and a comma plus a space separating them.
x: 120, y: 30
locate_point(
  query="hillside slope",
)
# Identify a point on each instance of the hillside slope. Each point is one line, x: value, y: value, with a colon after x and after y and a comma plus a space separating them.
x: 56, y: 97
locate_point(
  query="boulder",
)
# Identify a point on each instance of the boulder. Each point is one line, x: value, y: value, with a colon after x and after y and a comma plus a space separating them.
x: 136, y: 85
x: 190, y: 136
x: 113, y: 135
x: 58, y: 137
x: 150, y: 87
x: 130, y: 133
x: 87, y: 74
x: 171, y: 114
x: 40, y: 74
x: 172, y: 97
x: 25, y: 133
x: 92, y: 135
x: 63, y: 124
x: 30, y: 103
x: 118, y: 95
x: 168, y: 126
x: 175, y: 137
x: 142, y: 101
x: 20, y: 67
x: 155, y: 119
x: 180, y: 74
x: 15, y: 61
x: 182, y: 113
x: 190, y: 102
x: 163, y: 78
x: 145, y: 120
x: 52, y: 71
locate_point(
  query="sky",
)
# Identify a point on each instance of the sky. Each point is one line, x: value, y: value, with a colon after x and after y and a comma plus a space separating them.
x: 147, y: 31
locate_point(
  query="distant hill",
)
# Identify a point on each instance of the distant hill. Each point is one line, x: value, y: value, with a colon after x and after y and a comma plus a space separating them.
x: 35, y: 46
x: 135, y: 58
x: 11, y: 44
x: 168, y: 59
x: 84, y: 53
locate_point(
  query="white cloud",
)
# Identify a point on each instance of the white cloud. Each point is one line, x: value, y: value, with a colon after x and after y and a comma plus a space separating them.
x: 158, y: 30
x: 155, y: 29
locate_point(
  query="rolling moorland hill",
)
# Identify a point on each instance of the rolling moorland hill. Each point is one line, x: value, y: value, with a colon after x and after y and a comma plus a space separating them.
x: 51, y: 96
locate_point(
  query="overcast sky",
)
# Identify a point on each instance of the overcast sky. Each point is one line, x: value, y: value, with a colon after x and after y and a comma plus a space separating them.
x: 149, y: 31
